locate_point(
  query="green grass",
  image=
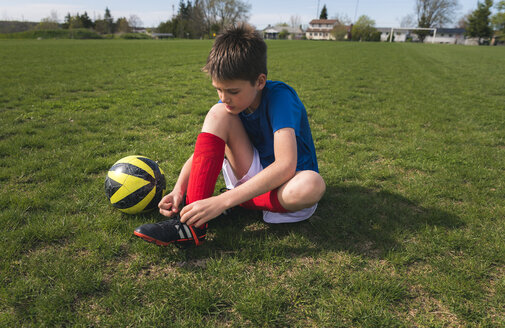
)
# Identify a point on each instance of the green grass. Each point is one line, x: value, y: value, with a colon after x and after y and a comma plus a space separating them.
x: 410, y: 140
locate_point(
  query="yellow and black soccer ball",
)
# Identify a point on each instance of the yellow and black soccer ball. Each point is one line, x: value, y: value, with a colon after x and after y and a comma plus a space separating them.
x: 135, y: 184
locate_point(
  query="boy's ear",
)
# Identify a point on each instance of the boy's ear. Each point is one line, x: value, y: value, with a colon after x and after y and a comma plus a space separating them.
x: 261, y: 81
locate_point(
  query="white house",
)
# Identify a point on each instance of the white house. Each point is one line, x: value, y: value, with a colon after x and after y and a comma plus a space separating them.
x: 273, y: 32
x: 398, y: 36
x: 441, y: 35
x: 447, y: 36
x: 320, y: 29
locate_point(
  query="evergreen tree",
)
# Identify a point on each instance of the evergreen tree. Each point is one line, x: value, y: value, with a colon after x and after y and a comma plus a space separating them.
x: 66, y: 23
x: 86, y: 21
x: 479, y: 23
x: 324, y: 13
x: 109, y: 21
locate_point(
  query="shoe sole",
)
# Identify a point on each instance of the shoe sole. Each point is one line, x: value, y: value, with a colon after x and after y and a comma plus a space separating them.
x: 164, y: 243
x: 151, y: 239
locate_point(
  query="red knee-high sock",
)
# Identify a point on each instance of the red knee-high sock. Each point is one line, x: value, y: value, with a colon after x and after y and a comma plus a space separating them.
x: 269, y: 201
x: 207, y: 162
x: 205, y: 167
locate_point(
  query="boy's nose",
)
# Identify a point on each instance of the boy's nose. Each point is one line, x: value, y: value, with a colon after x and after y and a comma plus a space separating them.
x: 224, y: 98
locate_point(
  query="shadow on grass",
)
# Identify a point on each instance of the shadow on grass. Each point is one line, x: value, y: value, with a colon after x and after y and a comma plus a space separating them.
x: 349, y: 218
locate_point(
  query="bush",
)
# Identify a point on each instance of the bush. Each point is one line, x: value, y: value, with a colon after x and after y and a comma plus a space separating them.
x: 283, y: 35
x: 53, y: 34
x: 135, y: 36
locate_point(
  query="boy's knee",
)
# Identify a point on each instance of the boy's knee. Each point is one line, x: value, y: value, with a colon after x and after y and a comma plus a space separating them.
x: 215, y: 114
x: 218, y: 121
x: 314, y: 186
x: 305, y: 189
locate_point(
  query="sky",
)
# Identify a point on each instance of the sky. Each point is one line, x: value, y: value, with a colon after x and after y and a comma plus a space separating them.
x: 386, y: 13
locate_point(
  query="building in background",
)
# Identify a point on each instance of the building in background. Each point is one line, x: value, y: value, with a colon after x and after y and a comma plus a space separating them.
x: 320, y: 29
x: 282, y: 32
x: 442, y: 35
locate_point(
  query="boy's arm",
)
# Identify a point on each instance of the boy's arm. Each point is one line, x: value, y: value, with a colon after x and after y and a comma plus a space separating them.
x: 170, y: 203
x: 273, y: 176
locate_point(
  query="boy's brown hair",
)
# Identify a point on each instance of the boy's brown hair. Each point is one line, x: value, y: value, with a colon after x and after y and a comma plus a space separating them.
x: 237, y: 54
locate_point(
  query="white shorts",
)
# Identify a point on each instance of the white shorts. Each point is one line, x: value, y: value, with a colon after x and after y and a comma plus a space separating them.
x: 270, y: 217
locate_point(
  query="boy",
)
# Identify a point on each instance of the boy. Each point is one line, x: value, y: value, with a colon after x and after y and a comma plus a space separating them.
x: 262, y: 128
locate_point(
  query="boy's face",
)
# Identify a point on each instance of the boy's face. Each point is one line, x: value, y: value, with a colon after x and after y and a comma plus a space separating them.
x: 239, y: 95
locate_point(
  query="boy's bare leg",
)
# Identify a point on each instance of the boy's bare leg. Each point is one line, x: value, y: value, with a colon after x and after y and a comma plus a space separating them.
x: 239, y: 151
x: 304, y: 190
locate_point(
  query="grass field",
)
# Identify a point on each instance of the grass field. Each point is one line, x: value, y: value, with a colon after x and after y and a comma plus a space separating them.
x: 410, y: 140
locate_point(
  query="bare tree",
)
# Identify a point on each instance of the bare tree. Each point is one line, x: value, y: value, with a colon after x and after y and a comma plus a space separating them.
x: 134, y: 21
x: 49, y: 23
x: 230, y: 12
x: 408, y: 21
x: 221, y: 13
x: 435, y: 13
x: 341, y: 29
x: 463, y: 21
x: 295, y: 21
x: 342, y: 19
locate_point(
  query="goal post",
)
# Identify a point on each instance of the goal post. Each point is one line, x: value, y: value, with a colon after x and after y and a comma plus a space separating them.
x: 413, y: 29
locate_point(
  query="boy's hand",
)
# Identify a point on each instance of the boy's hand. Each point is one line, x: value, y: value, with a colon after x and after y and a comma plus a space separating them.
x: 169, y: 205
x: 199, y: 212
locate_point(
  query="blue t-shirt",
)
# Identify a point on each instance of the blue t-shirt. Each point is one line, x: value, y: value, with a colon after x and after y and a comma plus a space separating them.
x: 280, y: 108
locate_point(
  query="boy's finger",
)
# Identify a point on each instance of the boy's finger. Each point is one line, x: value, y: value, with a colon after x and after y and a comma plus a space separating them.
x: 165, y: 206
x: 165, y: 212
x: 184, y: 214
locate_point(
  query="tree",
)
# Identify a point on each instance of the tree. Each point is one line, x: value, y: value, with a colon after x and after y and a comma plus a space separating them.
x: 205, y: 18
x: 295, y: 21
x: 498, y: 20
x: 340, y: 30
x: 283, y: 35
x: 463, y: 21
x: 434, y: 13
x: 101, y: 26
x: 75, y: 22
x: 220, y: 13
x: 408, y: 21
x: 122, y: 25
x: 135, y: 22
x: 479, y: 23
x: 188, y: 23
x: 86, y: 21
x: 66, y: 22
x: 324, y: 13
x: 364, y: 30
x: 109, y: 21
x: 49, y: 23
x: 196, y: 23
x: 229, y: 12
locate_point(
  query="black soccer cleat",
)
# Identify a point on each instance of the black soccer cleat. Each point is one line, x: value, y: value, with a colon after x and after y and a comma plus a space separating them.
x: 172, y: 231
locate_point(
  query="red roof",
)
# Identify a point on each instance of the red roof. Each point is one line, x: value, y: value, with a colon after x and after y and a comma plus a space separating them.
x: 323, y: 21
